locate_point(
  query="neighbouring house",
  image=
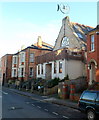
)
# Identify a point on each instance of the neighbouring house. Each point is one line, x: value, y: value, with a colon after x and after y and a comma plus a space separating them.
x: 6, y: 65
x: 69, y: 54
x: 93, y: 55
x: 23, y: 62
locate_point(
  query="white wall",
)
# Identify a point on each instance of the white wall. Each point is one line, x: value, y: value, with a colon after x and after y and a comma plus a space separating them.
x: 73, y: 68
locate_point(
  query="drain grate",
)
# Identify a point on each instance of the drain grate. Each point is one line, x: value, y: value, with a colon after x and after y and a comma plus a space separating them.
x: 15, y: 108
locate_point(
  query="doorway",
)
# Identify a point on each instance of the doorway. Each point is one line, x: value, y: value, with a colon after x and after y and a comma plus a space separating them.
x: 48, y: 73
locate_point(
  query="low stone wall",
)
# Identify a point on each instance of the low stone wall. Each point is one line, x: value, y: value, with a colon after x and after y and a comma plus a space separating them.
x: 49, y: 91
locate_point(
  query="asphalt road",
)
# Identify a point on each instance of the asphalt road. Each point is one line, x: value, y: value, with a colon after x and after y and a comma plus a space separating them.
x: 17, y: 106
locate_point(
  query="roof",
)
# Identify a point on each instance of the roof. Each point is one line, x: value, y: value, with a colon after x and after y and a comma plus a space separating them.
x: 32, y: 47
x: 81, y: 30
x: 97, y: 28
x: 45, y: 45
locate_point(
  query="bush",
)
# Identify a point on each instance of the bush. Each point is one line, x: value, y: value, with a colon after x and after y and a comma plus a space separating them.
x: 52, y: 83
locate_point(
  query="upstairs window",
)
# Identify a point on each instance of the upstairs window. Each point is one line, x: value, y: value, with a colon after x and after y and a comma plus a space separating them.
x: 14, y: 60
x: 92, y: 43
x: 22, y: 57
x: 65, y: 42
x: 31, y: 57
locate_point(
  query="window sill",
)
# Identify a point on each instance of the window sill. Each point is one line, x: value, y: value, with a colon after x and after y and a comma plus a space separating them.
x: 92, y: 51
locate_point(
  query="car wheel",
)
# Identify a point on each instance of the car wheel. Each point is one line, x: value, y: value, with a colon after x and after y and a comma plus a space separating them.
x: 90, y: 115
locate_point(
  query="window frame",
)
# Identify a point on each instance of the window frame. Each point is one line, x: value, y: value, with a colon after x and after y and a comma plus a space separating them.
x: 92, y: 43
x: 31, y: 58
x: 60, y: 66
x: 31, y: 71
x: 38, y: 69
x: 55, y: 66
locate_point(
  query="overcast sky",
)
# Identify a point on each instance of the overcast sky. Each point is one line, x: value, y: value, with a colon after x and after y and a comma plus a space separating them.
x: 22, y: 22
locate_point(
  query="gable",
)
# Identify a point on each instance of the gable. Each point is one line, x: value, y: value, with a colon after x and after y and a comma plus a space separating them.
x: 74, y: 32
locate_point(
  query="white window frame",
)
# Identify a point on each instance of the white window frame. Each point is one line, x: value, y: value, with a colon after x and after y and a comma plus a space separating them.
x: 92, y: 43
x: 22, y: 57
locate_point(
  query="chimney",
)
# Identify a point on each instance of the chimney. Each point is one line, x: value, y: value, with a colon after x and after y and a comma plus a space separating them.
x: 39, y: 42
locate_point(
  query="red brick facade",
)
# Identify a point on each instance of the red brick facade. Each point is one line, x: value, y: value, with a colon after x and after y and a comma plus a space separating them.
x: 6, y: 64
x: 93, y: 56
x: 27, y: 64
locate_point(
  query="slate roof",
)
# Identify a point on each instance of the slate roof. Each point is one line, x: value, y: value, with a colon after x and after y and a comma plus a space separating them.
x: 81, y: 30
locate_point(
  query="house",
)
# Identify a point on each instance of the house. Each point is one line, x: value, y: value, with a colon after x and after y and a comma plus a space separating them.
x: 5, y: 67
x: 23, y: 62
x: 93, y: 55
x: 69, y: 54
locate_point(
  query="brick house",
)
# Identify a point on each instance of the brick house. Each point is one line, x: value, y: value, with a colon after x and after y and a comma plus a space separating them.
x: 23, y: 63
x: 69, y: 54
x: 93, y: 55
x: 6, y: 64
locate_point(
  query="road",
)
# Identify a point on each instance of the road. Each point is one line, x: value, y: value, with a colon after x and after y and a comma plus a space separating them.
x: 17, y: 106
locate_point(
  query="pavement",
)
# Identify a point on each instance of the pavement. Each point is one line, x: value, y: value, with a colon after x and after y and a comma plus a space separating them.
x: 50, y: 99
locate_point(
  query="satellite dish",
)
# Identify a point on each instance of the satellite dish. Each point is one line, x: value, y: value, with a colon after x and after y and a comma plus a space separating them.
x: 63, y: 8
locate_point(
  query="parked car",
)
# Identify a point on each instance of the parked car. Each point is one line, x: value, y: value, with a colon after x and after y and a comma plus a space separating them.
x: 89, y: 103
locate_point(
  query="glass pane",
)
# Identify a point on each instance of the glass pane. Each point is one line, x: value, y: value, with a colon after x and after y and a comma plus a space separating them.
x: 89, y: 96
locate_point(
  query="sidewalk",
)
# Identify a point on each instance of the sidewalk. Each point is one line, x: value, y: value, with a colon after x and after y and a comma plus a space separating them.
x: 54, y: 100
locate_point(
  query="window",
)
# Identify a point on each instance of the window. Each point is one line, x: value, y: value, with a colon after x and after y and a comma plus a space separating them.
x: 31, y: 57
x: 41, y: 68
x: 14, y: 60
x: 31, y: 71
x: 22, y: 57
x: 54, y: 67
x: 38, y: 69
x: 97, y: 98
x: 14, y: 72
x: 89, y: 96
x: 92, y: 42
x: 65, y: 42
x: 60, y: 66
x: 79, y: 35
x: 22, y: 72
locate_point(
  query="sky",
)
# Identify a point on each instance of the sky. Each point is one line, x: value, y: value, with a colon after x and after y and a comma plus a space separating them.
x: 22, y: 22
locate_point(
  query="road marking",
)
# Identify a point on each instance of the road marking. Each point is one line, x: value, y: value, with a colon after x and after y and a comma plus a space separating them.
x: 76, y: 110
x: 65, y: 117
x: 38, y: 106
x: 4, y: 93
x: 33, y: 105
x: 55, y: 113
x: 27, y: 102
x: 57, y: 105
x: 46, y: 109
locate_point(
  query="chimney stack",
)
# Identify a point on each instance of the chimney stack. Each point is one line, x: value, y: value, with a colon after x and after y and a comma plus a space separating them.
x: 39, y: 42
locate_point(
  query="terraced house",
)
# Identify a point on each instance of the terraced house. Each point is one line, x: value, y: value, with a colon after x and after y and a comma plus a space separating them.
x: 93, y: 55
x: 23, y: 62
x: 5, y: 68
x: 69, y: 54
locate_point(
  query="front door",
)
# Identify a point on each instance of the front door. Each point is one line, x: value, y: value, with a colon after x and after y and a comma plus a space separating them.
x: 92, y: 73
x: 48, y: 72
